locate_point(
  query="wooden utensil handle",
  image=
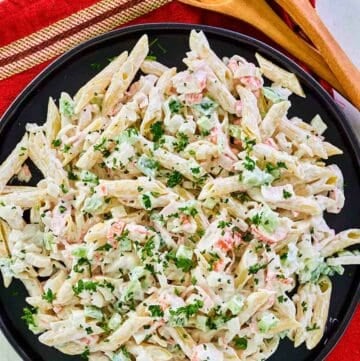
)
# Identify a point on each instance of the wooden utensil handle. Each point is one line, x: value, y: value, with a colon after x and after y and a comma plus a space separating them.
x: 260, y: 15
x: 346, y: 72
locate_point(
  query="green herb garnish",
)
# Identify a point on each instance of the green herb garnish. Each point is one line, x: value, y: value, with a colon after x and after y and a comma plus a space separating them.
x: 49, y: 295
x: 156, y: 311
x: 240, y: 343
x: 174, y: 179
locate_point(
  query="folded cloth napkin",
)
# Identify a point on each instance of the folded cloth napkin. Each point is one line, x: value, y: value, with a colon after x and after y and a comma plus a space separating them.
x: 34, y: 33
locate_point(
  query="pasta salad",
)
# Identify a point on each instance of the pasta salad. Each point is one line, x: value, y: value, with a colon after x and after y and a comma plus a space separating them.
x: 180, y: 215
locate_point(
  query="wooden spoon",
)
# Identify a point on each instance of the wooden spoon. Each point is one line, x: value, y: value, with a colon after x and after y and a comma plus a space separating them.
x: 260, y: 15
x: 346, y: 72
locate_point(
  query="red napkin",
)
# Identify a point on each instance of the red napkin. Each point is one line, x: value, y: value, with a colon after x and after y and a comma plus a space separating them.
x: 20, y: 18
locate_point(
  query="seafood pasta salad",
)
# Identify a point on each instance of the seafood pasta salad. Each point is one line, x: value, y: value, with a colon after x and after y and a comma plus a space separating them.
x: 180, y: 214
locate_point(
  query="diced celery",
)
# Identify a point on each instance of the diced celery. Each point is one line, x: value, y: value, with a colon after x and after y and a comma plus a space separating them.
x: 267, y: 322
x: 235, y: 131
x: 235, y: 304
x: 93, y: 312
x: 200, y: 323
x: 256, y: 177
x: 205, y: 123
x: 184, y: 252
x: 93, y: 204
x: 209, y: 203
x: 115, y: 321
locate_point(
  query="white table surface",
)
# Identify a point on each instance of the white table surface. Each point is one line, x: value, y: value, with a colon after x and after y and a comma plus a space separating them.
x: 342, y: 18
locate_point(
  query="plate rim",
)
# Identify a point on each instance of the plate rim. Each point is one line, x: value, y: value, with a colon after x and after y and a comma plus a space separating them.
x: 331, y: 106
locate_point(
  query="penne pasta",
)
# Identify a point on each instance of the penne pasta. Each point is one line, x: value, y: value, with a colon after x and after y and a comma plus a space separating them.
x: 99, y: 83
x: 320, y: 313
x: 53, y: 123
x: 14, y: 161
x: 123, y: 77
x: 279, y: 75
x: 180, y: 214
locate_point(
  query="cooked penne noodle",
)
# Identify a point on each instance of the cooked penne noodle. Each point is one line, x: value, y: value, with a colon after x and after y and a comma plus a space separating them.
x: 99, y: 83
x: 14, y: 161
x: 279, y: 75
x: 25, y: 199
x: 341, y: 241
x: 250, y: 114
x: 45, y: 158
x: 199, y: 44
x: 53, y: 123
x: 123, y: 77
x: 272, y: 118
x: 320, y: 313
x: 153, y: 67
x: 156, y: 96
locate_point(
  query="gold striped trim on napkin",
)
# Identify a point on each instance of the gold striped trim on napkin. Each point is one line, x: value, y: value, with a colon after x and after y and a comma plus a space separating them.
x: 63, y: 35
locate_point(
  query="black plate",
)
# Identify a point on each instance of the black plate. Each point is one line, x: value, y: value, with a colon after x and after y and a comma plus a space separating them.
x: 78, y: 65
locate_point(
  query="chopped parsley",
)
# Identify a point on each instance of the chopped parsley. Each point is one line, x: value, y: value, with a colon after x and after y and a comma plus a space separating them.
x: 101, y: 147
x: 157, y: 131
x: 84, y: 286
x: 223, y: 224
x: 286, y: 194
x: 195, y: 170
x: 82, y: 262
x: 151, y: 58
x: 189, y: 211
x: 66, y: 148
x: 256, y: 219
x: 63, y: 188
x: 248, y: 144
x: 156, y: 311
x: 274, y: 169
x: 96, y: 66
x: 85, y: 355
x: 146, y: 201
x: 249, y: 163
x: 255, y: 268
x: 106, y: 247
x: 175, y: 106
x: 148, y: 248
x: 185, y: 264
x: 125, y: 352
x: 49, y: 295
x: 240, y: 343
x: 182, y: 142
x: 242, y: 197
x: 281, y: 299
x: 281, y: 165
x: 174, y: 179
x: 217, y: 318
x: 157, y: 43
x: 187, y: 311
x: 71, y: 175
x: 66, y: 105
x: 56, y: 143
x: 28, y: 316
x: 313, y: 327
x: 150, y: 268
x: 62, y: 209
